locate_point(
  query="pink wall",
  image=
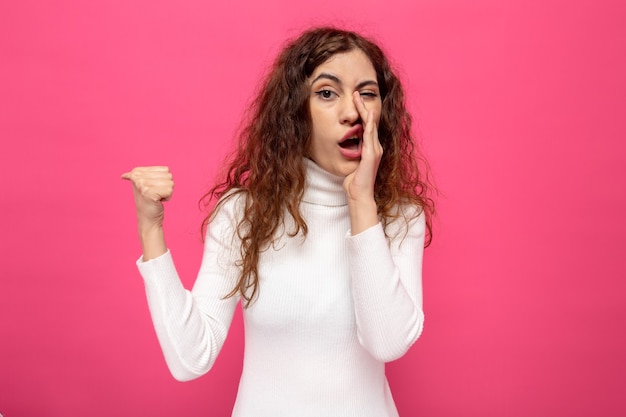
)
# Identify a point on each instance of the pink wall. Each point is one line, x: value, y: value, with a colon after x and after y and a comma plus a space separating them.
x: 521, y: 107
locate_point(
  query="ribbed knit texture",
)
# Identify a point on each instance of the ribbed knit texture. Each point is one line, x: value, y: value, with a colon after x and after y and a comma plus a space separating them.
x: 332, y: 309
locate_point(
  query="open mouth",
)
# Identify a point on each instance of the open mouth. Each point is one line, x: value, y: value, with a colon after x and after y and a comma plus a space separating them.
x: 350, y: 143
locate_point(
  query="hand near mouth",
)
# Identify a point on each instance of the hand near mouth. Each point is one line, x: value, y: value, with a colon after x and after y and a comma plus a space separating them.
x: 359, y: 185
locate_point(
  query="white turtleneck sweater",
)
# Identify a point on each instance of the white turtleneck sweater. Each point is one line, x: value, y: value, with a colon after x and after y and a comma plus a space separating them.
x: 332, y: 309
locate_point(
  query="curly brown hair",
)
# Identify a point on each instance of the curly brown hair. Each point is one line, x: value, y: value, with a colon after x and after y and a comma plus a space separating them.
x: 266, y: 165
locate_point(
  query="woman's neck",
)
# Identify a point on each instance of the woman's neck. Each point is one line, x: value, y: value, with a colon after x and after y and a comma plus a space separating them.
x: 322, y: 188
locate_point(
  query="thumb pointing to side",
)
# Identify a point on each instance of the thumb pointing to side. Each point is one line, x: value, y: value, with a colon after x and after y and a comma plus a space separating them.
x: 151, y: 186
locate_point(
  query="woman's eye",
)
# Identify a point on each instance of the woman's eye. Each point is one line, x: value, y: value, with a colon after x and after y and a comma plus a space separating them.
x: 368, y: 94
x: 325, y: 94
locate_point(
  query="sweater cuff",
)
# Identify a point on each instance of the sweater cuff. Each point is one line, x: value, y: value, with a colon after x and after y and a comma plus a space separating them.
x: 157, y: 269
x: 366, y: 232
x: 366, y: 236
x: 369, y: 254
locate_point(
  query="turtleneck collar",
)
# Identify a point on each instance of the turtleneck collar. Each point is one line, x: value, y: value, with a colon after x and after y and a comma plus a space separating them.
x: 322, y: 188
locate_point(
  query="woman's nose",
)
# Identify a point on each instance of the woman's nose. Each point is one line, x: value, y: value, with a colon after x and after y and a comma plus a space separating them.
x: 349, y: 113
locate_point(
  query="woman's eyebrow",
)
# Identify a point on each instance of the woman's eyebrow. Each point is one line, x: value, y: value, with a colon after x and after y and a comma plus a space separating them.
x: 325, y: 75
x: 334, y: 78
x: 366, y: 84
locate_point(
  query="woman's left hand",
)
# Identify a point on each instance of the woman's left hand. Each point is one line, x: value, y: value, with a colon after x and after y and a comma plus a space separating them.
x: 359, y: 185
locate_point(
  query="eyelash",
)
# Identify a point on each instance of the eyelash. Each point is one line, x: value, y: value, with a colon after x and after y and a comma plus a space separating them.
x: 321, y: 93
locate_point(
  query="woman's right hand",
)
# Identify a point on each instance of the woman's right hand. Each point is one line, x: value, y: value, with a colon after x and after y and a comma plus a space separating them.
x: 151, y: 187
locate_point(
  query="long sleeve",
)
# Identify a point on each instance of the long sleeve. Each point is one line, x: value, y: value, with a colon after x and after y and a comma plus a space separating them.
x: 386, y: 282
x: 331, y: 309
x: 191, y: 326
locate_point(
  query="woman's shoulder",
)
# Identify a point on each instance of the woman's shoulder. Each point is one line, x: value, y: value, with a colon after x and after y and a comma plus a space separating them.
x: 405, y: 218
x: 231, y: 205
x: 225, y: 217
x: 408, y: 211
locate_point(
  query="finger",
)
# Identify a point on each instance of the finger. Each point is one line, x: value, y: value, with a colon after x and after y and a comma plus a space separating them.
x: 147, y: 172
x: 364, y: 115
x: 156, y: 168
x: 370, y: 132
x: 148, y: 169
x: 159, y: 197
x: 367, y: 116
x: 156, y: 192
x: 360, y: 105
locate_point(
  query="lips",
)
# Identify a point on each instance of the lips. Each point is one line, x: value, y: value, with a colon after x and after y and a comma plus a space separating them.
x: 350, y: 144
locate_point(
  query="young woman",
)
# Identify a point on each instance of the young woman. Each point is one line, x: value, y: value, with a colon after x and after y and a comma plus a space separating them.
x: 318, y: 229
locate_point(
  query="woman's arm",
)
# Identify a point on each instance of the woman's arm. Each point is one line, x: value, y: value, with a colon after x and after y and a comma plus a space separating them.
x: 386, y: 281
x: 386, y: 276
x: 359, y: 185
x: 151, y: 187
x: 191, y: 326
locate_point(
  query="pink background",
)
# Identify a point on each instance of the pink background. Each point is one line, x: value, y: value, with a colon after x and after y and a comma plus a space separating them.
x: 521, y: 106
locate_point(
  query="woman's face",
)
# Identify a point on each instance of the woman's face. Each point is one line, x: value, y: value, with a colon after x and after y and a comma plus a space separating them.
x: 337, y: 130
